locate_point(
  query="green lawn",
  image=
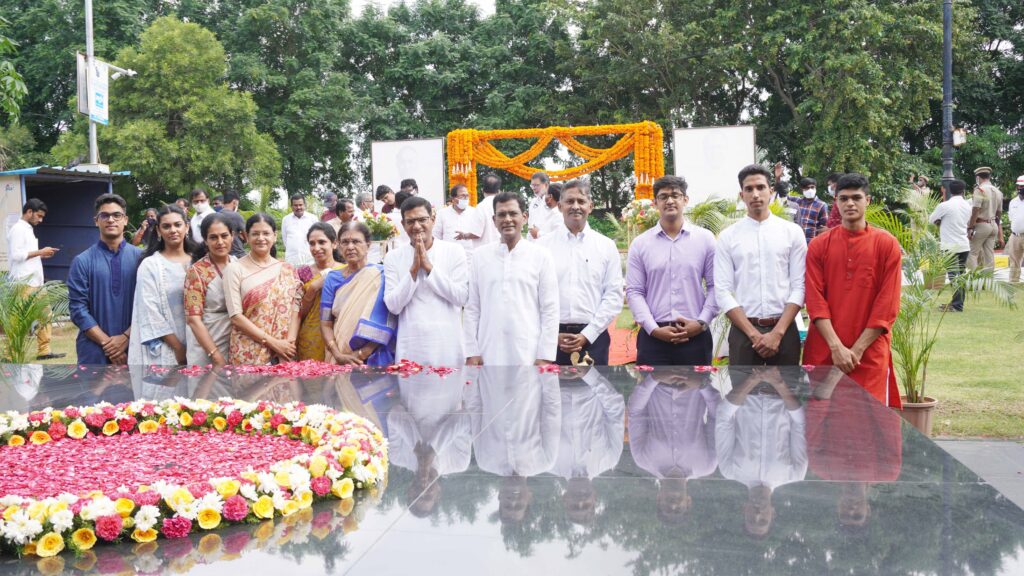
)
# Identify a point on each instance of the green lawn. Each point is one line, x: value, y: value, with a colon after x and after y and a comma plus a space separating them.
x: 975, y: 371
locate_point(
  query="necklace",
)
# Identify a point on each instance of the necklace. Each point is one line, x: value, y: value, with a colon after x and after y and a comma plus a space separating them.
x: 262, y: 266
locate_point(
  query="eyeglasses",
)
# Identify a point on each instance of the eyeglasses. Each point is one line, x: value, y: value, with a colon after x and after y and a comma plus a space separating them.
x: 112, y: 216
x: 673, y: 196
x: 504, y: 215
x: 417, y: 221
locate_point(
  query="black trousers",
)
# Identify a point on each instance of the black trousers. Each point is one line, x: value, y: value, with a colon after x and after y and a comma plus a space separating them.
x: 958, y: 297
x: 741, y: 350
x: 598, y: 349
x: 654, y: 352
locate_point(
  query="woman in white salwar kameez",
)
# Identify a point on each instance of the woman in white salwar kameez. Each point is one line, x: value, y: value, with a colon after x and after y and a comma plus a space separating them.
x: 158, y: 318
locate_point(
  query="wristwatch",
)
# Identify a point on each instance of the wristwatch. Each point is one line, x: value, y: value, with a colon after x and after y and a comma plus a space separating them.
x: 703, y: 325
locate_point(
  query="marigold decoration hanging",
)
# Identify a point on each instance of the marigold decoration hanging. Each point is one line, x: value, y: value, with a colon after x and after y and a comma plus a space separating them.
x: 467, y: 148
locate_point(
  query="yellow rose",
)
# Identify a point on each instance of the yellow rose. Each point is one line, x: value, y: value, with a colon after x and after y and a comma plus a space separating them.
x: 290, y: 507
x: 208, y: 518
x: 347, y: 456
x: 37, y: 510
x: 263, y: 507
x: 343, y: 488
x: 144, y: 535
x: 317, y: 466
x: 83, y: 538
x: 178, y: 497
x: 282, y: 479
x: 267, y: 413
x: 305, y: 499
x: 345, y: 506
x: 148, y: 426
x: 110, y: 428
x: 124, y: 507
x: 39, y: 437
x: 15, y: 440
x: 29, y: 549
x: 10, y: 511
x: 220, y: 423
x: 49, y: 545
x: 283, y: 429
x: 77, y: 430
x: 228, y: 488
x: 314, y: 437
x: 186, y: 419
x: 55, y: 507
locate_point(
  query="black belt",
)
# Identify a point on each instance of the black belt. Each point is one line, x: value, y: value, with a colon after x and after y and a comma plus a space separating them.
x: 663, y: 324
x: 572, y: 328
x: 765, y: 322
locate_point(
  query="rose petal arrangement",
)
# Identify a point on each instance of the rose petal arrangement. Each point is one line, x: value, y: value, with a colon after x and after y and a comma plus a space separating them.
x: 305, y: 453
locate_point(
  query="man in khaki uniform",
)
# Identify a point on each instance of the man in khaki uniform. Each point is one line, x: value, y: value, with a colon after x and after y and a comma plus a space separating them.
x: 1015, y: 246
x: 985, y: 229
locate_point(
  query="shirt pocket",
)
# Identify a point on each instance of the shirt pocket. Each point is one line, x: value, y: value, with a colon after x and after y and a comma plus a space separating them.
x: 866, y: 278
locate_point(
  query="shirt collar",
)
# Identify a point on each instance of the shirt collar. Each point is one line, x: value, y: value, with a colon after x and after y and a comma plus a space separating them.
x: 684, y: 231
x: 582, y: 235
x: 120, y: 247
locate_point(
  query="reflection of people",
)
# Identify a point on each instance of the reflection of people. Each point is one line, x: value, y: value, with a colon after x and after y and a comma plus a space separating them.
x: 426, y: 285
x: 101, y: 283
x: 853, y: 295
x: 760, y: 440
x: 517, y: 420
x: 511, y: 317
x: 591, y: 441
x: 672, y: 434
x: 851, y: 439
x: 429, y: 432
x: 263, y: 296
x: 356, y: 325
x: 158, y: 328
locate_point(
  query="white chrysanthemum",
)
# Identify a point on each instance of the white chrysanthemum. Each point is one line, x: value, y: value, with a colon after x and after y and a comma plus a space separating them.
x: 248, y: 491
x: 256, y: 421
x: 146, y: 517
x: 298, y: 478
x: 68, y: 498
x: 62, y: 520
x: 279, y: 500
x: 19, y: 422
x: 21, y: 528
x: 333, y: 473
x: 265, y: 482
x: 190, y: 510
x: 211, y: 500
x: 11, y: 500
x: 99, y: 506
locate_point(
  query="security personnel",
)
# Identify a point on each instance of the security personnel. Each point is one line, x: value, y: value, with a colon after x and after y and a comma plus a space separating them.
x: 985, y: 228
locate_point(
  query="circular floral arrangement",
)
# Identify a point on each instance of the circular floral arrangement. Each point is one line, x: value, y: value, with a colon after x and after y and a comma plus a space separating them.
x: 172, y: 468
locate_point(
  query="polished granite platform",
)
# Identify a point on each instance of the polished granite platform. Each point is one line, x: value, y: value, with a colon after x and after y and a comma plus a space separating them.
x: 606, y: 471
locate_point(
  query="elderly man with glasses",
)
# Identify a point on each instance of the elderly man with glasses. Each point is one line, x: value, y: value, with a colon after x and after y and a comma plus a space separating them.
x: 101, y: 283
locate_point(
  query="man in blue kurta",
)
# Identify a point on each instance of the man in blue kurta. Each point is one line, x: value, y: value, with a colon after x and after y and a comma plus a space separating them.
x: 101, y: 287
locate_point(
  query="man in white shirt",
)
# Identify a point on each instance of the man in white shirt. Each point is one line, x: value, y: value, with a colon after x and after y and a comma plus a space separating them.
x: 952, y: 218
x: 294, y: 228
x: 759, y: 278
x: 552, y: 219
x: 459, y: 222
x: 537, y: 207
x: 485, y: 210
x: 26, y: 258
x: 201, y: 204
x: 1015, y: 247
x: 589, y: 279
x: 364, y: 206
x: 511, y: 318
x: 426, y: 284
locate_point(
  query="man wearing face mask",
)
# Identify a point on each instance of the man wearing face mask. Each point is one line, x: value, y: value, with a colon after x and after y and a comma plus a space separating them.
x: 811, y: 213
x: 201, y: 204
x: 834, y: 218
x: 459, y: 222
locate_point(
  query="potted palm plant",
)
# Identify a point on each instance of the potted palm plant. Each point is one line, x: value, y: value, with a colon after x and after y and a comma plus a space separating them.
x: 916, y: 330
x: 21, y: 309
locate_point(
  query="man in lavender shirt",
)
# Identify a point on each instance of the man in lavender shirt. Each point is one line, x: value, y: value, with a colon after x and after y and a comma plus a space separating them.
x: 670, y: 283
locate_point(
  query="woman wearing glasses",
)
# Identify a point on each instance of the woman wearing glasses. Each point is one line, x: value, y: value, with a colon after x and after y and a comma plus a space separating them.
x: 101, y: 283
x: 158, y: 330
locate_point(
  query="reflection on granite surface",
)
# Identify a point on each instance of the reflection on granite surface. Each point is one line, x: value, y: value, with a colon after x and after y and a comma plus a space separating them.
x: 608, y: 471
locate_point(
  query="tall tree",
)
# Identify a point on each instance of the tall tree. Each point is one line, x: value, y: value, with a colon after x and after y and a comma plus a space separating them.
x: 12, y: 85
x: 177, y: 123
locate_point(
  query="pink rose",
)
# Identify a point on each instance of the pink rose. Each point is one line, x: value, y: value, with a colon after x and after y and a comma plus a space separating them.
x: 57, y: 430
x: 71, y: 412
x: 150, y: 498
x: 176, y: 527
x: 276, y: 420
x: 147, y: 410
x: 235, y: 418
x: 35, y: 417
x: 320, y: 485
x: 109, y: 527
x: 96, y: 420
x: 109, y: 412
x: 236, y: 508
x: 199, y: 418
x: 127, y: 424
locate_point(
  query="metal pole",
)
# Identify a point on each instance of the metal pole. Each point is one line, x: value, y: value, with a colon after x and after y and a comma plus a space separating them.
x: 94, y: 154
x: 947, y: 94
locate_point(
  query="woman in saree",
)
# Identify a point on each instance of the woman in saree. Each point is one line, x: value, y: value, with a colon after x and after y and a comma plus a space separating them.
x: 357, y: 327
x: 206, y: 309
x: 158, y: 323
x: 323, y: 246
x: 263, y: 295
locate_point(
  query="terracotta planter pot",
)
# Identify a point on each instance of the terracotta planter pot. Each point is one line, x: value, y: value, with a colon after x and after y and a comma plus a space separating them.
x: 919, y: 414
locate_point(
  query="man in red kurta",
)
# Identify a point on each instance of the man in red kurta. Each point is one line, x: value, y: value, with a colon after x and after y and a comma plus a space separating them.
x: 853, y: 295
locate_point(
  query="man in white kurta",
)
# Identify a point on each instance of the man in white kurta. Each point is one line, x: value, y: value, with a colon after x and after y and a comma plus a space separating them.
x: 459, y: 222
x: 426, y: 284
x: 485, y: 210
x: 512, y: 314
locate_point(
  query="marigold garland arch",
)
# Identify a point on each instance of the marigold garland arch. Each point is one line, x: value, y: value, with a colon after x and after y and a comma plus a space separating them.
x: 467, y: 148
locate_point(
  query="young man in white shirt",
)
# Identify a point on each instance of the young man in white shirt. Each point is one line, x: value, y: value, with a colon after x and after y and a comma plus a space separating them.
x: 589, y: 279
x: 426, y: 284
x: 485, y: 209
x: 759, y: 278
x: 201, y: 204
x: 952, y: 217
x: 538, y: 210
x: 26, y: 258
x: 1015, y: 246
x: 511, y: 318
x: 294, y: 228
x: 459, y: 222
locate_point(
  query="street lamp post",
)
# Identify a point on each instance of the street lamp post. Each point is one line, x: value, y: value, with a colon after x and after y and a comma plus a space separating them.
x: 94, y: 154
x: 947, y: 94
